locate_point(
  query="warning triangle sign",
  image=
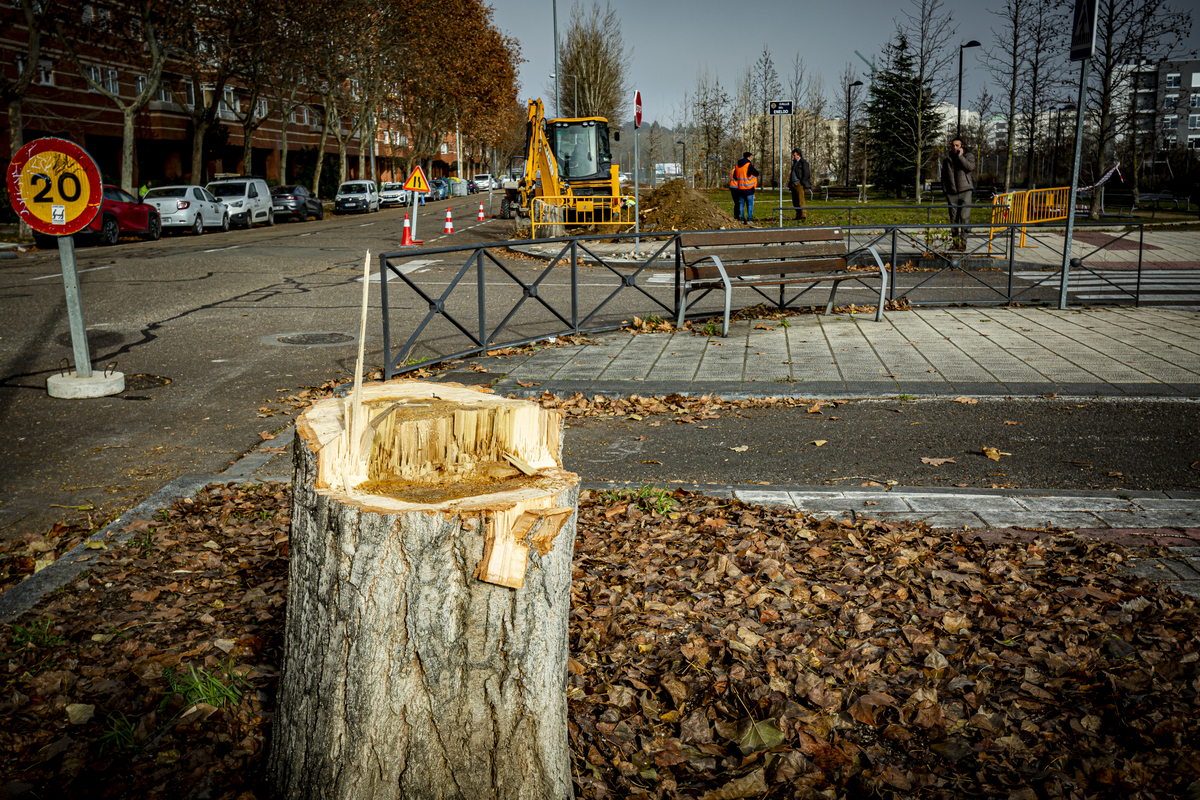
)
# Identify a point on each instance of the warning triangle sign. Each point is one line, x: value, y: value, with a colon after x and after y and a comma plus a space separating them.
x: 416, y: 182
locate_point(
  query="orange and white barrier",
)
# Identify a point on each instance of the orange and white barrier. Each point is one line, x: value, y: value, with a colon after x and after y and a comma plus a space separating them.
x: 482, y: 218
x: 449, y: 222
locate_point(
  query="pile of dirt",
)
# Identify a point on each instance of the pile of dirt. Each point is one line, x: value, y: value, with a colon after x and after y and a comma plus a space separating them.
x: 675, y: 206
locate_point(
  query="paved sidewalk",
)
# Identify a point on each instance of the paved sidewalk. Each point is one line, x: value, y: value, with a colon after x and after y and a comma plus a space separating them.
x: 1109, y: 352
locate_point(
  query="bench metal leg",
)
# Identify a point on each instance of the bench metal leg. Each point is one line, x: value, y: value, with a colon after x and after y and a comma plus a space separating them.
x: 883, y: 281
x: 832, y: 295
x: 682, y: 306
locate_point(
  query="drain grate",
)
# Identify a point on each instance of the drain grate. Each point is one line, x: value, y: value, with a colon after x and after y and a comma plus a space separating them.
x: 315, y: 338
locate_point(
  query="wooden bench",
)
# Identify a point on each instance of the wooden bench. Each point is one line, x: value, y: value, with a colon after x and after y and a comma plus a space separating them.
x: 727, y: 260
x: 841, y: 192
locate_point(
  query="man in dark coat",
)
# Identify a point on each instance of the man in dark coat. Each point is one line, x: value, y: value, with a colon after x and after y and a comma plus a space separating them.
x: 799, y: 182
x: 958, y: 185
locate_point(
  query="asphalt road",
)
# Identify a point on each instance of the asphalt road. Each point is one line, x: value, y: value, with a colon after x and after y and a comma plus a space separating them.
x: 195, y: 324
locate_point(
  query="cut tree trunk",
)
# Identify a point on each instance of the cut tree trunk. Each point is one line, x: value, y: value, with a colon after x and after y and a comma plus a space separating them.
x: 426, y: 647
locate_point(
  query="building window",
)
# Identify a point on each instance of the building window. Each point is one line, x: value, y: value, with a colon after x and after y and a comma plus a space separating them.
x: 1170, y: 122
x: 1196, y: 80
x: 45, y: 73
x: 1171, y: 101
x: 162, y: 93
x: 1194, y: 122
x: 95, y: 75
x: 1194, y: 100
x: 1172, y: 80
x: 263, y: 108
x: 1193, y: 142
x: 445, y: 148
x: 110, y: 81
x: 189, y: 93
x: 139, y: 85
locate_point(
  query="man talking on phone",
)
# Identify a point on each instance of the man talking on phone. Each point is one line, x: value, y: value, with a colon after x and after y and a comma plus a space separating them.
x: 957, y: 183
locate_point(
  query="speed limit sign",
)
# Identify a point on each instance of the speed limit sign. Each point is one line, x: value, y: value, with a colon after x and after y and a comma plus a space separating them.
x: 54, y: 186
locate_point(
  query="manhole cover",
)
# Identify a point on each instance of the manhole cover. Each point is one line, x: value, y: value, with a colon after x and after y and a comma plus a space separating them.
x: 315, y: 338
x: 143, y: 381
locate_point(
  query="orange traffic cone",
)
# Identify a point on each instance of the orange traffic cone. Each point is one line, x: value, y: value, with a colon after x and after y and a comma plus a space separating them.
x: 406, y: 240
x: 449, y: 222
x: 481, y: 217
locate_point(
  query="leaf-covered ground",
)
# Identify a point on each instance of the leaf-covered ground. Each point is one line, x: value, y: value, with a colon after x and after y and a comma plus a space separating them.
x: 719, y: 650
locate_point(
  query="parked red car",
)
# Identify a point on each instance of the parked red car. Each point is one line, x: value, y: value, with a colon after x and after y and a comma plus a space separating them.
x: 120, y: 214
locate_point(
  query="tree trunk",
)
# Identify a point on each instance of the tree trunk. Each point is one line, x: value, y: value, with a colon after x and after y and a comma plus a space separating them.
x: 428, y: 597
x: 200, y: 128
x: 128, y: 115
x: 316, y: 187
x: 283, y: 150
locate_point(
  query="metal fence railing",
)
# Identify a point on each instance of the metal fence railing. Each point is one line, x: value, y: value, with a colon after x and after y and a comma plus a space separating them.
x: 483, y: 299
x: 551, y: 213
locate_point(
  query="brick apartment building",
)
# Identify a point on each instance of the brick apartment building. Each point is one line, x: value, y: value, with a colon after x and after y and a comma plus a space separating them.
x: 60, y: 103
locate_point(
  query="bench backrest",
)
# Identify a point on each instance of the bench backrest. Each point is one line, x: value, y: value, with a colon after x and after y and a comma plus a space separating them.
x: 754, y: 252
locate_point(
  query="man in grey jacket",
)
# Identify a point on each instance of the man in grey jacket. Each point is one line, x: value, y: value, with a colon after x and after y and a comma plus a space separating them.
x: 799, y: 181
x: 957, y: 167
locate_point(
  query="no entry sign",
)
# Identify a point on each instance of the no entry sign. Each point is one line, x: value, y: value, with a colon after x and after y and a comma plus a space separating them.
x: 637, y: 109
x: 54, y: 186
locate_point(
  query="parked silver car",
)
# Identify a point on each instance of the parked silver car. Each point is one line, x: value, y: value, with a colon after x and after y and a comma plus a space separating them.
x: 393, y: 194
x: 188, y: 208
x: 356, y: 196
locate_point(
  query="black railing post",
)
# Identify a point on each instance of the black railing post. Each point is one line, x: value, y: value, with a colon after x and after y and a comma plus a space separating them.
x: 1012, y: 237
x: 892, y: 287
x: 678, y: 271
x: 1137, y: 298
x: 387, y: 335
x: 483, y: 336
x: 575, y: 286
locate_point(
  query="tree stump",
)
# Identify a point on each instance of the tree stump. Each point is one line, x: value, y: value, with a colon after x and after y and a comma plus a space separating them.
x: 433, y: 529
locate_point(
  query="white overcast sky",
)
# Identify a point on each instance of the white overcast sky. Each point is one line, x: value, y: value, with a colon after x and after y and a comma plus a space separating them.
x: 672, y: 40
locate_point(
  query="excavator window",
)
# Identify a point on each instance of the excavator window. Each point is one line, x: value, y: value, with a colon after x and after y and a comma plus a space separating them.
x: 581, y: 148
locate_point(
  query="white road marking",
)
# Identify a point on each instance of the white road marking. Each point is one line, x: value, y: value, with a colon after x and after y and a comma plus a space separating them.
x: 365, y: 224
x: 411, y: 266
x: 219, y: 249
x: 80, y: 272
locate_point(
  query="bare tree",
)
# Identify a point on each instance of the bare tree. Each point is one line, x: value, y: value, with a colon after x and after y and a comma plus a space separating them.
x: 594, y: 53
x: 713, y: 116
x: 1044, y: 65
x: 1125, y: 31
x: 795, y: 90
x: 929, y: 31
x: 818, y: 137
x: 1006, y: 60
x: 764, y: 88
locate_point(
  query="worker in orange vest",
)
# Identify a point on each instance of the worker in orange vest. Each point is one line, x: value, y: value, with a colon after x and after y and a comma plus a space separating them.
x: 743, y: 180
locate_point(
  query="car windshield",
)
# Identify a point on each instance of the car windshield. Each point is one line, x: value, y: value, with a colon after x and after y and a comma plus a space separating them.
x: 391, y: 187
x: 354, y: 188
x: 227, y: 189
x: 284, y: 190
x: 173, y: 191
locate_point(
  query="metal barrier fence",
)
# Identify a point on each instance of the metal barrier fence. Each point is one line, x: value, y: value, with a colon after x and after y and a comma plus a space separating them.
x: 552, y: 212
x: 517, y: 305
x: 1030, y: 205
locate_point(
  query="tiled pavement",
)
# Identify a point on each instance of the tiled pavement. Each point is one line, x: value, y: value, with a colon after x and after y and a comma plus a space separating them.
x: 1107, y: 352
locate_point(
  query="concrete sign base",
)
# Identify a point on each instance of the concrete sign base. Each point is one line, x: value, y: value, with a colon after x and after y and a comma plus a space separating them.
x: 73, y: 387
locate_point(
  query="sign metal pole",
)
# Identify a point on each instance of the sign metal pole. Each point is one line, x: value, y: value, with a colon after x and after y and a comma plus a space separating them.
x: 1083, y: 42
x: 79, y: 342
x: 779, y: 174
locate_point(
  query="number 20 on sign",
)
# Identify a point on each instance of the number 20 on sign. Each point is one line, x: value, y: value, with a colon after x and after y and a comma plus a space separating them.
x: 54, y: 186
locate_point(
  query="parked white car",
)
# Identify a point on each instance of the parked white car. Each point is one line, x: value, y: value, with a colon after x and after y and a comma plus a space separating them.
x: 356, y: 196
x: 248, y: 200
x: 393, y: 194
x: 484, y: 181
x: 188, y: 207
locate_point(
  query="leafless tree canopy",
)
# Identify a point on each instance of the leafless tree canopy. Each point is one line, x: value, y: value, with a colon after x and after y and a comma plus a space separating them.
x: 595, y: 54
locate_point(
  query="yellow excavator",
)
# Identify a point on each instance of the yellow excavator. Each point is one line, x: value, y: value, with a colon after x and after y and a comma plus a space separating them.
x: 566, y: 175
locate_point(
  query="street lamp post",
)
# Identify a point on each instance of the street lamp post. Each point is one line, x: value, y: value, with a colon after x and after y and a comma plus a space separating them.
x: 575, y: 108
x: 685, y: 172
x: 849, y: 116
x: 961, y: 47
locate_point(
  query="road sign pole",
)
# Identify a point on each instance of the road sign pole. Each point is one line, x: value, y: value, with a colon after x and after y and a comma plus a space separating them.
x: 413, y: 227
x: 1071, y: 197
x: 79, y: 342
x: 637, y: 206
x: 779, y: 174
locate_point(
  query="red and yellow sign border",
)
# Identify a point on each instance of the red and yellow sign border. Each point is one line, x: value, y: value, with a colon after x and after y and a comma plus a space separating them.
x: 55, y: 155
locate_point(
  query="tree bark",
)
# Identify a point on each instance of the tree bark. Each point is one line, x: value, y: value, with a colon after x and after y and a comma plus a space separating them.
x: 406, y: 674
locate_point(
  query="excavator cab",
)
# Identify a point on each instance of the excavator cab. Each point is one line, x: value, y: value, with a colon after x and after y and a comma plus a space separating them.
x: 580, y: 147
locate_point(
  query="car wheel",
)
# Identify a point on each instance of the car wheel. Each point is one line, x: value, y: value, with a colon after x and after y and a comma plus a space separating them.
x: 110, y: 231
x: 198, y: 225
x: 506, y: 209
x: 154, y: 229
x: 249, y: 223
x: 225, y: 224
x: 303, y: 215
x: 320, y: 211
x: 270, y: 217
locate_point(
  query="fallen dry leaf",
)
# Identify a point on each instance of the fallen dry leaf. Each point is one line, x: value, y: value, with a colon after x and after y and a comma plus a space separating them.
x: 968, y: 400
x: 740, y: 448
x: 937, y: 462
x: 994, y: 454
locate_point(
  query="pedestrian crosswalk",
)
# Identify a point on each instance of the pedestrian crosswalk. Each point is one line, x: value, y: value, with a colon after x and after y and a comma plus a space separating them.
x: 1166, y: 286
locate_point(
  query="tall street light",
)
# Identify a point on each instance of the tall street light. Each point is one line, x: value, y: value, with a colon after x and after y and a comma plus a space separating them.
x: 849, y: 116
x: 685, y: 172
x: 961, y: 47
x: 555, y: 16
x: 575, y: 111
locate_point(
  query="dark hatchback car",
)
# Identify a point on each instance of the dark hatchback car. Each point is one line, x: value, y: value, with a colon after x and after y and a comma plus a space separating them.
x: 297, y: 202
